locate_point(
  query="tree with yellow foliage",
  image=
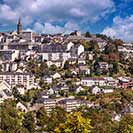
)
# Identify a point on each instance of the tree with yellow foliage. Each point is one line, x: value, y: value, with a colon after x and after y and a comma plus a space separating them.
x: 75, y: 123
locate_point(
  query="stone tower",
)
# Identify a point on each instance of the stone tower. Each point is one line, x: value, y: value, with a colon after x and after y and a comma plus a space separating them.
x: 19, y: 26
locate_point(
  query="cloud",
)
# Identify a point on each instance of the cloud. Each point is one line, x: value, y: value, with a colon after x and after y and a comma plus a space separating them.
x: 122, y: 28
x: 6, y: 13
x: 38, y: 27
x: 29, y: 30
x: 56, y: 10
x: 53, y: 29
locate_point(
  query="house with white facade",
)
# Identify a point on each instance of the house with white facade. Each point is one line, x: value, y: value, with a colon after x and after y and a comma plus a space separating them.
x: 79, y: 89
x: 69, y: 104
x: 111, y: 81
x: 80, y: 49
x: 69, y: 45
x: 47, y: 103
x: 22, y: 107
x: 17, y: 78
x: 56, y: 76
x: 93, y: 82
x: 96, y: 90
x: 20, y: 89
x: 5, y: 91
x: 108, y: 90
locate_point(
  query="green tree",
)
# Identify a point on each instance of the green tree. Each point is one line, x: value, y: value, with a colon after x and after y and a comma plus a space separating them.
x: 131, y: 66
x: 68, y: 74
x: 29, y: 122
x: 94, y: 47
x: 110, y: 48
x: 0, y: 68
x: 66, y: 65
x: 118, y: 42
x: 101, y: 121
x: 10, y: 117
x: 115, y: 67
x: 53, y: 68
x: 87, y: 34
x: 104, y: 37
x: 57, y: 116
x: 41, y: 70
x: 42, y: 117
x: 126, y: 124
x: 86, y: 45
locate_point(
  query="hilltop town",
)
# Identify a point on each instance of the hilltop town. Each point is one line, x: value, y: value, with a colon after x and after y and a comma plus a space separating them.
x: 44, y: 77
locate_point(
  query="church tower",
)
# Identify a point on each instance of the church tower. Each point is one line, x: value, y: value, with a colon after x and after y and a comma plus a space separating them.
x: 19, y: 26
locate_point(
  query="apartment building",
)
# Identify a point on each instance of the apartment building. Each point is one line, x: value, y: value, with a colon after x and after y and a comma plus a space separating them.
x: 69, y: 104
x: 17, y: 78
x: 93, y: 81
x: 47, y: 103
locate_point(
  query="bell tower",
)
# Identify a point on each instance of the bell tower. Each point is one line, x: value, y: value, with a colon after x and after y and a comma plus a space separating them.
x: 19, y: 26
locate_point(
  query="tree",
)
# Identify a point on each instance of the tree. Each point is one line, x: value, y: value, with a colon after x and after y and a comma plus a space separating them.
x: 45, y: 40
x: 82, y: 93
x: 118, y: 42
x: 110, y: 48
x: 22, y: 130
x: 86, y: 45
x: 15, y: 93
x: 115, y: 67
x: 87, y: 34
x: 43, y: 85
x: 62, y: 92
x: 57, y: 116
x: 30, y: 95
x: 10, y: 117
x: 126, y: 124
x: 130, y: 129
x: 101, y: 121
x: 66, y: 65
x: 104, y: 37
x: 94, y: 47
x: 71, y: 85
x: 75, y: 123
x: 53, y: 68
x: 68, y: 73
x: 131, y: 66
x: 42, y: 117
x: 29, y: 122
x: 42, y: 70
x: 0, y: 68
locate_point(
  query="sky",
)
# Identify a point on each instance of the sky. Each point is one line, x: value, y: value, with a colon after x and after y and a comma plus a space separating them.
x: 111, y: 17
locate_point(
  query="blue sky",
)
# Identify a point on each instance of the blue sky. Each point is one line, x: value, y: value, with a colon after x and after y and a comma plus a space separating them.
x: 111, y: 17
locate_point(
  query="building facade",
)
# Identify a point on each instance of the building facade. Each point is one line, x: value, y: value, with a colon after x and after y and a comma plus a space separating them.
x: 17, y: 78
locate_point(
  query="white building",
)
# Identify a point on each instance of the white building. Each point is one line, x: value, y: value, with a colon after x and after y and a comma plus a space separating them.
x: 79, y: 89
x: 96, y: 90
x: 56, y: 76
x: 111, y: 81
x: 28, y: 36
x: 58, y: 63
x: 69, y: 104
x: 17, y: 78
x: 93, y: 82
x: 5, y: 91
x: 47, y: 80
x: 108, y: 90
x: 47, y: 103
x: 22, y: 107
x: 80, y: 49
x: 69, y: 45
